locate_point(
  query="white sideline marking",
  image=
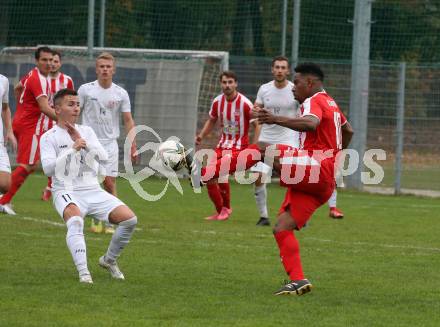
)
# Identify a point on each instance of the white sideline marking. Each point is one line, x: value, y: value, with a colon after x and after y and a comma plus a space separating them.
x: 53, y: 223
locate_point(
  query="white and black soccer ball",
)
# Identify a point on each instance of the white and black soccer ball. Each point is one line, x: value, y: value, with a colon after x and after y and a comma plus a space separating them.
x: 172, y: 154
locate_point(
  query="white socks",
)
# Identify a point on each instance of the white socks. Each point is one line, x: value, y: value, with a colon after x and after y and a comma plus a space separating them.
x: 332, y: 200
x: 120, y: 239
x: 76, y: 244
x: 261, y: 199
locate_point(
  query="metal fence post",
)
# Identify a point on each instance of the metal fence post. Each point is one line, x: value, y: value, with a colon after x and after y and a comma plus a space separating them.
x: 360, y: 75
x: 284, y: 29
x: 102, y: 24
x: 90, y: 28
x: 295, y: 31
x: 400, y: 127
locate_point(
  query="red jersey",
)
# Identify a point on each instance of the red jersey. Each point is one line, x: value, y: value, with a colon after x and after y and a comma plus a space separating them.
x: 328, y: 134
x: 28, y: 116
x: 234, y: 120
x: 62, y: 81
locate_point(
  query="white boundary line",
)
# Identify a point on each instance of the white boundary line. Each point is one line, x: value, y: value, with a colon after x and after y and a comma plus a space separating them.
x: 53, y: 223
x: 212, y: 232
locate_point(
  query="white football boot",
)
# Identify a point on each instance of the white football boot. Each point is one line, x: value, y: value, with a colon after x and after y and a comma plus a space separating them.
x: 113, y: 268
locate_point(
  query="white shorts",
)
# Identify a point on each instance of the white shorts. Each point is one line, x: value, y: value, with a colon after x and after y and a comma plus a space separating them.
x: 261, y: 167
x: 5, y: 165
x: 95, y: 202
x: 110, y: 167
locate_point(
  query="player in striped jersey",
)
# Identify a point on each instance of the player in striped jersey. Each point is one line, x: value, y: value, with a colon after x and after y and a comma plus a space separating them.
x: 33, y: 117
x: 233, y: 110
x: 57, y: 81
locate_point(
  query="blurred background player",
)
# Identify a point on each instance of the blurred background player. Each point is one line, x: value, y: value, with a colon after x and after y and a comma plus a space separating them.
x: 102, y: 103
x: 323, y: 129
x: 78, y: 193
x: 57, y: 81
x: 276, y: 97
x: 5, y: 123
x: 32, y: 118
x: 233, y: 110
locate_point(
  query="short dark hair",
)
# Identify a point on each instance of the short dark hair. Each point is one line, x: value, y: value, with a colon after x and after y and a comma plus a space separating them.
x: 61, y: 94
x: 310, y: 68
x: 229, y: 74
x: 56, y: 53
x: 40, y: 50
x: 280, y: 58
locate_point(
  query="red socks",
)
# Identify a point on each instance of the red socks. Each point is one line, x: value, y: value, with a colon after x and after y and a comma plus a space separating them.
x: 215, y: 196
x: 17, y: 178
x: 49, y: 183
x: 226, y: 194
x: 289, y: 253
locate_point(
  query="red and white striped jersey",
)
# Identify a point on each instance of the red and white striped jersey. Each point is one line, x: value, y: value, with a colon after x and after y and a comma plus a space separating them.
x: 234, y: 119
x: 28, y: 116
x: 328, y: 134
x: 61, y: 81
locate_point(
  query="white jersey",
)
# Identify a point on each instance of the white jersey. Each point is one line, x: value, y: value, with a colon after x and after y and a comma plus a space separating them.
x: 280, y: 102
x: 4, y: 96
x: 101, y: 108
x: 70, y: 169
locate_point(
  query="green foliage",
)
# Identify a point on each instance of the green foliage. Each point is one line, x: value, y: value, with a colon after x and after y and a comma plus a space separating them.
x: 400, y: 30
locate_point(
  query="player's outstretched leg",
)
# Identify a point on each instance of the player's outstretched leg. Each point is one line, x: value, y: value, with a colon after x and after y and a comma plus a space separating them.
x: 126, y: 221
x: 76, y: 243
x: 261, y: 201
x: 290, y: 257
x: 334, y: 212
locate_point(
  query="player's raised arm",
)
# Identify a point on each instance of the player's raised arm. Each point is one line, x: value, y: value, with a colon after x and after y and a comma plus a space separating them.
x: 302, y: 124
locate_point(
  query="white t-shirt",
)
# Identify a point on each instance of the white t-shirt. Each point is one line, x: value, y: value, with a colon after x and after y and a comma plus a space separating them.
x: 280, y: 102
x: 70, y: 169
x: 101, y: 108
x: 4, y: 96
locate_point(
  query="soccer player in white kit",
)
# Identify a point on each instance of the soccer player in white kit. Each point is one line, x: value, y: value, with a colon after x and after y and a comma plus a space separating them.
x: 71, y: 154
x: 5, y: 119
x: 57, y: 81
x: 277, y: 97
x: 102, y: 103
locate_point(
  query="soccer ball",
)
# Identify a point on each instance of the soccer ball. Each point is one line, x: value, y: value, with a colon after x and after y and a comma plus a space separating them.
x: 172, y: 154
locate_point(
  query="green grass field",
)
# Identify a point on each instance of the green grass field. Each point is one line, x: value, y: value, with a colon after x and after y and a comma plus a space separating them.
x: 377, y: 267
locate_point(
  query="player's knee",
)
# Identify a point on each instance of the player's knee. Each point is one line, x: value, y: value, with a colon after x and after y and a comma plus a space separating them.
x: 5, y: 185
x: 71, y: 210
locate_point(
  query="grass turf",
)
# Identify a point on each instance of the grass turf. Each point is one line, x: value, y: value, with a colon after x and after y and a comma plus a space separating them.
x: 377, y: 267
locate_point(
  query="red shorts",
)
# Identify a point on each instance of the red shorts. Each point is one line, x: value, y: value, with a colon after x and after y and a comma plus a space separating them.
x: 28, y: 150
x: 309, y: 185
x: 301, y: 204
